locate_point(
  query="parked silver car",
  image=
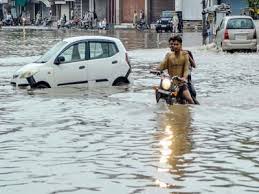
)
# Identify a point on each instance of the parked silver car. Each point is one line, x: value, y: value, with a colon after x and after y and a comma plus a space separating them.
x: 236, y: 33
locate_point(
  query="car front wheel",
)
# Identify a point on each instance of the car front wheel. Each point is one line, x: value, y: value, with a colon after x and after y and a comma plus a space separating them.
x: 42, y: 85
x: 120, y: 81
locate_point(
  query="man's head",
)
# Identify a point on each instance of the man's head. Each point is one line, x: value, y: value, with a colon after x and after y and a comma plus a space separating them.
x: 175, y: 43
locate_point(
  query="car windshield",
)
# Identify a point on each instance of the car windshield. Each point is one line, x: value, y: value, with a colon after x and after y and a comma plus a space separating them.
x: 240, y: 23
x: 46, y: 57
x: 167, y: 14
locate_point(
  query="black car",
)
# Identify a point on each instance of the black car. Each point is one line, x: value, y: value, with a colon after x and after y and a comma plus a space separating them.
x: 165, y: 22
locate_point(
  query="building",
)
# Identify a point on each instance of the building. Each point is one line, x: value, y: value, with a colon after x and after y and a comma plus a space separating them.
x: 25, y: 8
x: 191, y: 11
x: 115, y: 11
x: 4, y: 6
x: 2, y: 3
x: 153, y: 8
x: 102, y: 8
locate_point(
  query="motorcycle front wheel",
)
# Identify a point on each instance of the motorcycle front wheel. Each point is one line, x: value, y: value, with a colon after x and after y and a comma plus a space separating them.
x: 169, y: 100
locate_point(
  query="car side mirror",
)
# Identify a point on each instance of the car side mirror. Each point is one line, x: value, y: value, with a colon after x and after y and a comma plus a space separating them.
x: 59, y: 60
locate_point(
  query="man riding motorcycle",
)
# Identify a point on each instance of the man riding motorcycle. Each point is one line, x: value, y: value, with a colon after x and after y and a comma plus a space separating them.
x: 192, y: 65
x: 177, y: 63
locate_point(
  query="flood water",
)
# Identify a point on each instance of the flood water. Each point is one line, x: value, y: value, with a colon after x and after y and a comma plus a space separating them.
x: 118, y: 140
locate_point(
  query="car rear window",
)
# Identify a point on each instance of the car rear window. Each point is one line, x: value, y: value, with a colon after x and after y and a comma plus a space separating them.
x: 167, y: 14
x: 100, y: 50
x: 240, y: 23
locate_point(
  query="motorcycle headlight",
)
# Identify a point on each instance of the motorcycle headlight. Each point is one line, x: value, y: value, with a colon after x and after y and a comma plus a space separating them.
x: 166, y: 84
x: 28, y: 73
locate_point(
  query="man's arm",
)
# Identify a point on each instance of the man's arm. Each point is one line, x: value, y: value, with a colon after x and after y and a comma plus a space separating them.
x: 191, y: 59
x: 186, y: 66
x: 192, y: 62
x: 164, y: 64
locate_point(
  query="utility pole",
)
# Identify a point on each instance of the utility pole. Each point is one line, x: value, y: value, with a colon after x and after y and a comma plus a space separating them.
x: 204, y: 30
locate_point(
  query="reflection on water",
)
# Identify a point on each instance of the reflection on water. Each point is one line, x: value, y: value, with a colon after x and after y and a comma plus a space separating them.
x: 174, y: 140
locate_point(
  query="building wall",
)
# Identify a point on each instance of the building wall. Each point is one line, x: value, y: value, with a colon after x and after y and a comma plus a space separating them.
x: 111, y: 11
x: 101, y: 7
x: 128, y: 7
x: 193, y: 10
x: 212, y: 2
x: 157, y: 6
x: 85, y: 6
x: 1, y: 12
x: 45, y: 10
x: 65, y: 10
x: 78, y: 8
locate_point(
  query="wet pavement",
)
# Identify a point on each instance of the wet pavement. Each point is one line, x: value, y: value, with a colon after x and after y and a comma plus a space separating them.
x: 118, y: 139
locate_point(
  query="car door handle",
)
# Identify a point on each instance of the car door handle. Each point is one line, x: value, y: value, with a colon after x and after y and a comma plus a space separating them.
x: 82, y: 67
x: 114, y: 62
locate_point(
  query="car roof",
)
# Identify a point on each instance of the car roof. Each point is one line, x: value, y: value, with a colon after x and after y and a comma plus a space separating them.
x: 238, y: 16
x: 79, y: 38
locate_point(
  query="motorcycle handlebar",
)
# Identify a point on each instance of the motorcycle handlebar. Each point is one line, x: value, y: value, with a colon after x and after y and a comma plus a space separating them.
x: 159, y: 73
x: 179, y: 79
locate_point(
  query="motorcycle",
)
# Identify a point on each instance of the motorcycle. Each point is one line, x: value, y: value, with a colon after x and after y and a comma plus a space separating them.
x: 47, y: 22
x: 141, y: 25
x: 7, y: 22
x: 86, y: 24
x: 169, y: 89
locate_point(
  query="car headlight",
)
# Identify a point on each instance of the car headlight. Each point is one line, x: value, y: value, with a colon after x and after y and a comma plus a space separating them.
x: 166, y: 84
x: 28, y: 73
x: 158, y: 21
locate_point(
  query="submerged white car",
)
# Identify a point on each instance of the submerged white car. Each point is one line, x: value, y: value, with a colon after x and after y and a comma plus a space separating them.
x: 81, y: 61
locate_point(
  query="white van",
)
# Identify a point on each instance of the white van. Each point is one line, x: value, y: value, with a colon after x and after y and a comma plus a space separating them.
x: 78, y: 61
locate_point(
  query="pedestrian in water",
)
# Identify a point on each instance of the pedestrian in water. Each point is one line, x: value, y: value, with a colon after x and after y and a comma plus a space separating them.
x: 135, y: 18
x: 175, y: 23
x: 65, y: 18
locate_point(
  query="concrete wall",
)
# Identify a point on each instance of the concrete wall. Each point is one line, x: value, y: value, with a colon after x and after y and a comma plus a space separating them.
x: 101, y: 8
x: 85, y: 6
x: 65, y: 10
x: 45, y: 11
x: 192, y: 10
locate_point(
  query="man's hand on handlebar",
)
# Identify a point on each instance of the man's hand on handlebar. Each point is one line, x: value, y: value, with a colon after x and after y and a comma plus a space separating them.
x: 156, y: 71
x: 183, y: 79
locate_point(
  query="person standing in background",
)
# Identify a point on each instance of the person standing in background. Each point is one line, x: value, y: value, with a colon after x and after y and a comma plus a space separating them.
x: 135, y: 18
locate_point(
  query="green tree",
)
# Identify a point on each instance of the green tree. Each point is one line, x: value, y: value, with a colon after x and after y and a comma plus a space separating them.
x: 253, y: 3
x: 253, y: 8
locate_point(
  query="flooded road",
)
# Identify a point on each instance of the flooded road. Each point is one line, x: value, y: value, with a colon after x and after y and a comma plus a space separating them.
x: 118, y: 140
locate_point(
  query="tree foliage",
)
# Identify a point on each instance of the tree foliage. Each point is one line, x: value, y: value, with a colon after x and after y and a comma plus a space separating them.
x: 253, y: 3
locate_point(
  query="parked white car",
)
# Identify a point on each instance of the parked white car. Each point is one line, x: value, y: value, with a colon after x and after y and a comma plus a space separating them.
x: 78, y: 61
x: 236, y: 33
